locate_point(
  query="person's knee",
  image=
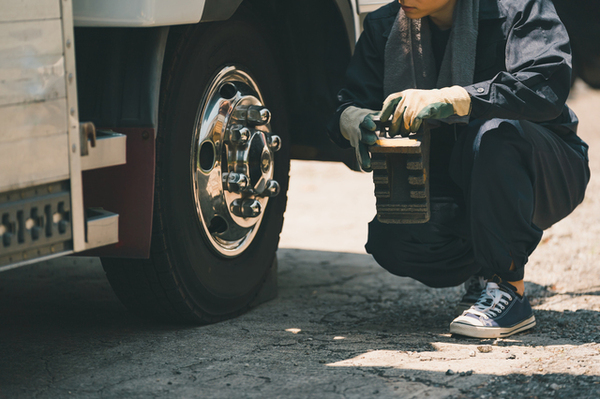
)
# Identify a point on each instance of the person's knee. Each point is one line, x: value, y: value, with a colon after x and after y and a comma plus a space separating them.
x: 491, y: 137
x: 496, y: 143
x: 479, y: 144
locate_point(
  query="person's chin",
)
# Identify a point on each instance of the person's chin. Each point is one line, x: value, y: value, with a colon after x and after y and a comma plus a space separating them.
x: 412, y: 12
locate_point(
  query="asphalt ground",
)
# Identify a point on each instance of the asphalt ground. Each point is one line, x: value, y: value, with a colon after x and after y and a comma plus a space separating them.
x: 341, y: 327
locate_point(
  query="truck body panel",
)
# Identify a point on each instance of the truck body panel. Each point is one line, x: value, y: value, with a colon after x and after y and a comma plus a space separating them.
x: 367, y: 6
x: 137, y: 13
x: 41, y: 200
x: 33, y: 101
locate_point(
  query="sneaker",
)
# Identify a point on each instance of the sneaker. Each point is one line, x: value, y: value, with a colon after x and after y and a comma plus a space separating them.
x: 499, y: 312
x: 474, y: 285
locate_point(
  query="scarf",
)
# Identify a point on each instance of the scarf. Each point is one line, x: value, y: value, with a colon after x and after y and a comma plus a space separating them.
x: 409, y: 62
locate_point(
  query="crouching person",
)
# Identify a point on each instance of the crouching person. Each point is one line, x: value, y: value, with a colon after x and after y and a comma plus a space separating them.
x: 505, y: 159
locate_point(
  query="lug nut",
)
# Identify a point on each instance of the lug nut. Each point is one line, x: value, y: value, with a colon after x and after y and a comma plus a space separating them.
x: 272, y: 189
x: 258, y: 115
x: 239, y: 135
x: 249, y: 208
x: 274, y: 142
x: 235, y: 182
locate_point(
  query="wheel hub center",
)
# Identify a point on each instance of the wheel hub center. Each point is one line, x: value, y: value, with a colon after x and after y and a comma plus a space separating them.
x: 233, y: 162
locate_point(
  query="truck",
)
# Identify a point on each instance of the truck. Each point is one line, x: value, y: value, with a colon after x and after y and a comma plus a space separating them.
x: 157, y: 135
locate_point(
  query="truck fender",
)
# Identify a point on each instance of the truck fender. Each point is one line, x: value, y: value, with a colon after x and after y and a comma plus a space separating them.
x: 347, y: 14
x: 219, y: 10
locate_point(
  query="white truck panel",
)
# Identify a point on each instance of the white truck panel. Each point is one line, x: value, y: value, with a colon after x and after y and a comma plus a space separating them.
x: 366, y: 6
x: 37, y: 79
x: 136, y: 12
x: 32, y: 64
x: 28, y: 39
x: 39, y: 159
x: 28, y: 121
x: 33, y: 105
x: 28, y: 10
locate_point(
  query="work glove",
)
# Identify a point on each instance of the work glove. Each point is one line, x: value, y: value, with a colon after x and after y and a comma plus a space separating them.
x: 410, y: 107
x: 357, y: 126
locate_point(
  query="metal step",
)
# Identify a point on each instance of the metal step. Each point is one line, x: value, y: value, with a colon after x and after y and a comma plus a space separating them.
x: 102, y: 228
x: 103, y: 149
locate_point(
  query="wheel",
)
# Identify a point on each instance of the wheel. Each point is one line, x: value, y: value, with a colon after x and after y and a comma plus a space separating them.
x: 221, y: 179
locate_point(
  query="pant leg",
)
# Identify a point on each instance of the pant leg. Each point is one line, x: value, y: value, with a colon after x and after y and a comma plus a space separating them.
x: 518, y: 178
x: 437, y: 253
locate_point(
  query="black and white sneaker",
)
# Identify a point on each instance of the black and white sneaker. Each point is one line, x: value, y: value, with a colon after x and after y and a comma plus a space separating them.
x: 499, y: 312
x: 473, y: 286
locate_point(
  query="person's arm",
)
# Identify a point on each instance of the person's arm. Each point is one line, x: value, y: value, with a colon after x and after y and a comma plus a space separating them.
x: 364, y: 77
x: 537, y: 80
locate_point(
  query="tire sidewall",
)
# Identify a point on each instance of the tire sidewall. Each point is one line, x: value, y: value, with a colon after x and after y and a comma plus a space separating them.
x: 210, y: 281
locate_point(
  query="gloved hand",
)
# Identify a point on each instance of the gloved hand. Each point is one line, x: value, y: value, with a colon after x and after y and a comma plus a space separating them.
x: 411, y: 106
x: 357, y: 126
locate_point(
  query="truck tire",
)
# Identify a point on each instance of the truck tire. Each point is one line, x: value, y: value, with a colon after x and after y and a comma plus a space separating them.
x: 221, y: 179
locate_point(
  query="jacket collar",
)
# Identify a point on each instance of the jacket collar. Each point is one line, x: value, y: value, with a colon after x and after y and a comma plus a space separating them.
x: 491, y: 9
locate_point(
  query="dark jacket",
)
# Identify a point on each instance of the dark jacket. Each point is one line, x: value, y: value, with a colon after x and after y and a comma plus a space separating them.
x: 522, y: 66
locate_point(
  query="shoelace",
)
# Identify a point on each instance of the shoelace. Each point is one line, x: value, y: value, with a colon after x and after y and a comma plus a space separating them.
x: 491, y: 303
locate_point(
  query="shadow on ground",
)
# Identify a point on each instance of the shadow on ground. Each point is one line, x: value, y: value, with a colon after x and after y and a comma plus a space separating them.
x: 340, y: 327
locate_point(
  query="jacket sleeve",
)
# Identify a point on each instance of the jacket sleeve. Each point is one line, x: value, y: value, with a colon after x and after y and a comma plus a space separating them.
x: 364, y: 78
x: 537, y: 80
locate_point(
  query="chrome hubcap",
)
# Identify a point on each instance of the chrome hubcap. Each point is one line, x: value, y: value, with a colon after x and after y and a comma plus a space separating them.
x: 233, y: 161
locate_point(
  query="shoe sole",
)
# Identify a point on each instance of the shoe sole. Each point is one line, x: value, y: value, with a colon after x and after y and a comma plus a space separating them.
x: 470, y: 330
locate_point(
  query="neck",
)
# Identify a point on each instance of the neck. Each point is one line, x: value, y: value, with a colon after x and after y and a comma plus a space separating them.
x: 443, y: 17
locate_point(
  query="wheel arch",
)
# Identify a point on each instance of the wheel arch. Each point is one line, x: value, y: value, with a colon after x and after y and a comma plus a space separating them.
x: 119, y: 69
x: 220, y: 10
x: 315, y: 39
x: 120, y: 75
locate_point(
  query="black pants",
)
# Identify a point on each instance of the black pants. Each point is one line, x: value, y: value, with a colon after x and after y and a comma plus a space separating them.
x: 502, y: 183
